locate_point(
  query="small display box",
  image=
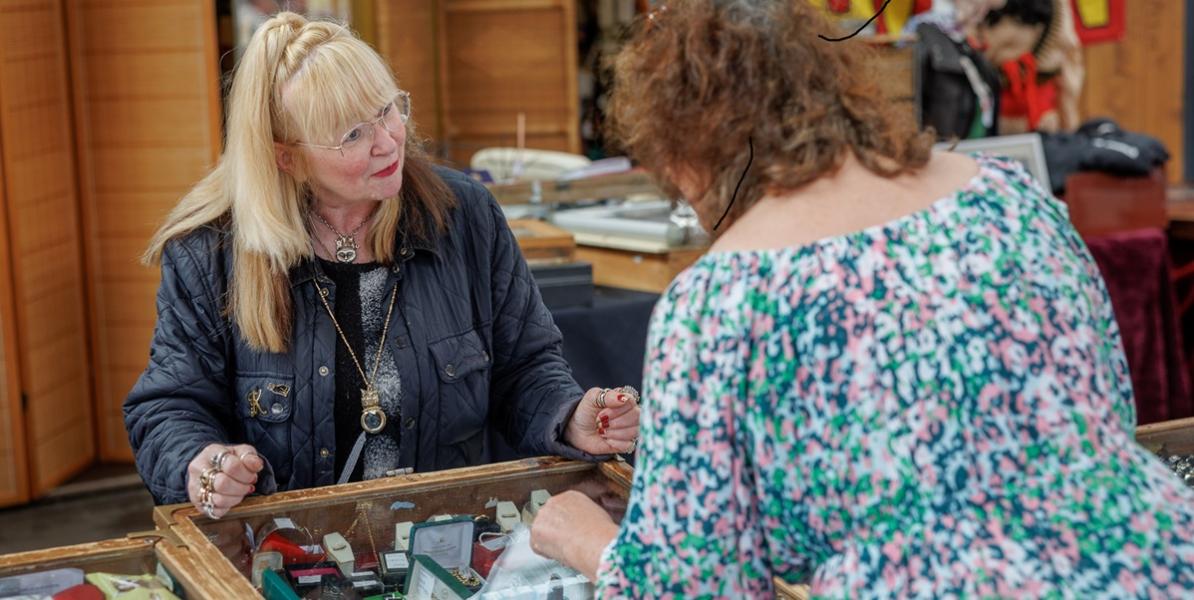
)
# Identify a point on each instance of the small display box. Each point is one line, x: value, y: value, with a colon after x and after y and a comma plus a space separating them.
x: 151, y: 562
x: 451, y: 514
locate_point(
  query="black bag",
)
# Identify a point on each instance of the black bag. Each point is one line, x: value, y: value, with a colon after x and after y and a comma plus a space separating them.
x: 949, y: 101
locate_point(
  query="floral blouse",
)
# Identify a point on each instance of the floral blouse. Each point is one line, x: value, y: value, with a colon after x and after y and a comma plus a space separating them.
x: 939, y: 405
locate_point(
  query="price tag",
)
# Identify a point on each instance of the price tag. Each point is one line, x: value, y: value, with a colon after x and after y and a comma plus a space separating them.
x: 397, y: 561
x: 310, y: 579
x: 284, y: 523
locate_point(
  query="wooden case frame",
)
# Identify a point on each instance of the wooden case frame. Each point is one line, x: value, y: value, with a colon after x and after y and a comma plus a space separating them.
x: 514, y: 479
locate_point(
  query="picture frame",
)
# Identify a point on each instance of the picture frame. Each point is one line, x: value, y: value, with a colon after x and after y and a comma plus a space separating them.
x: 1026, y: 148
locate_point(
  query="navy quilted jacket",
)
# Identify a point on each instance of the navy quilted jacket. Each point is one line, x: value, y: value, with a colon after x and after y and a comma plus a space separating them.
x: 476, y: 349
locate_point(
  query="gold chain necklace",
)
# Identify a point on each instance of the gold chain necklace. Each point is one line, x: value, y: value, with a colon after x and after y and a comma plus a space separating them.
x: 373, y: 418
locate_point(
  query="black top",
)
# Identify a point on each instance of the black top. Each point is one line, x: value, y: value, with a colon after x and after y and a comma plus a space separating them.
x: 361, y: 305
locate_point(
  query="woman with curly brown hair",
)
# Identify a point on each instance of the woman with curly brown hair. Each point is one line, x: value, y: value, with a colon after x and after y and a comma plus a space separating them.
x: 896, y: 373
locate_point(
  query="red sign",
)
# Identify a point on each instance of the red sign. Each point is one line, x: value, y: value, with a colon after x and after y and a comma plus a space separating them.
x: 1099, y: 20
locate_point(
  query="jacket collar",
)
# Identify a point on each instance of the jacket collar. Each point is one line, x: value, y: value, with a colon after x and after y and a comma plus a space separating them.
x: 308, y: 270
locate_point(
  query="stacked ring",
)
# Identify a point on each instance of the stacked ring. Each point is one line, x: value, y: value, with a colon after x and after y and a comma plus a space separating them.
x: 600, y: 401
x: 217, y: 459
x: 207, y: 479
x: 207, y: 482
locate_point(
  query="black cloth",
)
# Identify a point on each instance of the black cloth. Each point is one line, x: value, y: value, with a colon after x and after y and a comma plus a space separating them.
x: 948, y: 102
x: 348, y: 305
x: 605, y: 343
x: 475, y: 347
x: 1101, y: 145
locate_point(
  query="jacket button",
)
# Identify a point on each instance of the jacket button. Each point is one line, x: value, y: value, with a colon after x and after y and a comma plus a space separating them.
x: 410, y: 422
x: 323, y: 453
x: 450, y: 370
x: 323, y: 292
x: 277, y: 408
x: 323, y: 371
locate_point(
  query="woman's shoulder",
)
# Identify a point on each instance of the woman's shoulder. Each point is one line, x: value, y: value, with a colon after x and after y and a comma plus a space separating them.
x: 475, y: 205
x: 200, y: 256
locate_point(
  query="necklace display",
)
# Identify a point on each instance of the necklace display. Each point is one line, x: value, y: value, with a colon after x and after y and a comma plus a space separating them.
x: 346, y: 243
x: 373, y: 418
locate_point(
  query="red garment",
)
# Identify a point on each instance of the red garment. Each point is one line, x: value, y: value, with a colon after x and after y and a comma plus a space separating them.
x: 1023, y: 96
x: 1135, y: 267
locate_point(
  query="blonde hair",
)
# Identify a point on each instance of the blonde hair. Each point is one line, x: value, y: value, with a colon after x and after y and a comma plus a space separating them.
x: 332, y: 80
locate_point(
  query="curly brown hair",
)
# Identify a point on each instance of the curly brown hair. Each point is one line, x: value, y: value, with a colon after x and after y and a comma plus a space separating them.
x: 700, y: 79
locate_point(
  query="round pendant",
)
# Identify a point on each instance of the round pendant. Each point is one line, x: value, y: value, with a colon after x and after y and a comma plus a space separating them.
x: 346, y: 255
x: 373, y: 420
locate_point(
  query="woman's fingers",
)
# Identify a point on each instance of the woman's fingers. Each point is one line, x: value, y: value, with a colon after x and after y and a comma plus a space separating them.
x: 249, y: 457
x: 225, y: 484
x: 622, y: 436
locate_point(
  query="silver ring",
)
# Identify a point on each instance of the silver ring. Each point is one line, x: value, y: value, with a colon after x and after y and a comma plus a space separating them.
x: 208, y: 509
x: 632, y: 392
x: 600, y: 401
x: 217, y: 459
x: 633, y: 446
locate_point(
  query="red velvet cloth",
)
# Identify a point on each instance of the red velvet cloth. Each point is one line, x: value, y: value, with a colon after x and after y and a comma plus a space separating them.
x: 1135, y: 265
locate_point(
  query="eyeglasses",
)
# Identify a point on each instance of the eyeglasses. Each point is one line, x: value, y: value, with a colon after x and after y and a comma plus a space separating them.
x: 359, y: 138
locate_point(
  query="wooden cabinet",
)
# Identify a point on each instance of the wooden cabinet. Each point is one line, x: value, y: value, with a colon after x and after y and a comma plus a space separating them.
x: 44, y: 321
x: 109, y: 112
x: 147, y: 111
x: 473, y: 66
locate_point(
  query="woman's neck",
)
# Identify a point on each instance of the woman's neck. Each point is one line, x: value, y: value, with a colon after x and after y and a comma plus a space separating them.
x: 344, y: 217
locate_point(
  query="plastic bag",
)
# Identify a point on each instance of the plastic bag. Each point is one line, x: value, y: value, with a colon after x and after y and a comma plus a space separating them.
x: 520, y: 573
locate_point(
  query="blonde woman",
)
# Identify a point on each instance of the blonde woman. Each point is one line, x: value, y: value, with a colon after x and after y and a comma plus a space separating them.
x: 333, y: 307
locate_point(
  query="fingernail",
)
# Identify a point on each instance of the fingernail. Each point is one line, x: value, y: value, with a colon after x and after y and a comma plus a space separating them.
x: 600, y: 431
x: 622, y: 397
x: 252, y: 489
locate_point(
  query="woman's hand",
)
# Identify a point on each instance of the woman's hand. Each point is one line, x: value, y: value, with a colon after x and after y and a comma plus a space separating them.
x: 605, y: 422
x: 230, y: 473
x: 572, y: 529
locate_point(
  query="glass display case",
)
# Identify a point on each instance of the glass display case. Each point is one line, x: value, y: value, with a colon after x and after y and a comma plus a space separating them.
x: 153, y: 563
x: 373, y: 539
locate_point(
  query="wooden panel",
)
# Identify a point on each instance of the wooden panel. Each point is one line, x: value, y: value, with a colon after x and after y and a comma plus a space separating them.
x: 147, y: 105
x: 1138, y: 80
x: 44, y: 238
x: 14, y: 471
x: 483, y: 90
x: 406, y: 38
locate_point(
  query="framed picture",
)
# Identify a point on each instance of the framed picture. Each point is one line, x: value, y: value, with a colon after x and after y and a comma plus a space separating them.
x: 1025, y: 147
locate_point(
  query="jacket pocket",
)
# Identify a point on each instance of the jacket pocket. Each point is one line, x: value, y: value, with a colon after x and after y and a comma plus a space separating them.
x: 265, y: 403
x: 462, y: 365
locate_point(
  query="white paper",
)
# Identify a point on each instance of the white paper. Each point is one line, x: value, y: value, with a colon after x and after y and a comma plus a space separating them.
x: 284, y: 523
x: 397, y: 561
x: 310, y: 579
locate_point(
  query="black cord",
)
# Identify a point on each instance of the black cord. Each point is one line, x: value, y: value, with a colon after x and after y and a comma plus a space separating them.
x: 869, y: 21
x: 751, y: 144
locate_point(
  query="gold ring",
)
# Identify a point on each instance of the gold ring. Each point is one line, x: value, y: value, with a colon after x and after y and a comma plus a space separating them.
x: 207, y: 478
x: 600, y: 401
x: 633, y: 446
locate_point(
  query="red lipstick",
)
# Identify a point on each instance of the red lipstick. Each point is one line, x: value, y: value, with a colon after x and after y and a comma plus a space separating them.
x: 386, y: 172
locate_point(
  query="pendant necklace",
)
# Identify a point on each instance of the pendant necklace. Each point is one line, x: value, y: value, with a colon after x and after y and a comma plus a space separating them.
x: 346, y: 243
x: 373, y: 418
